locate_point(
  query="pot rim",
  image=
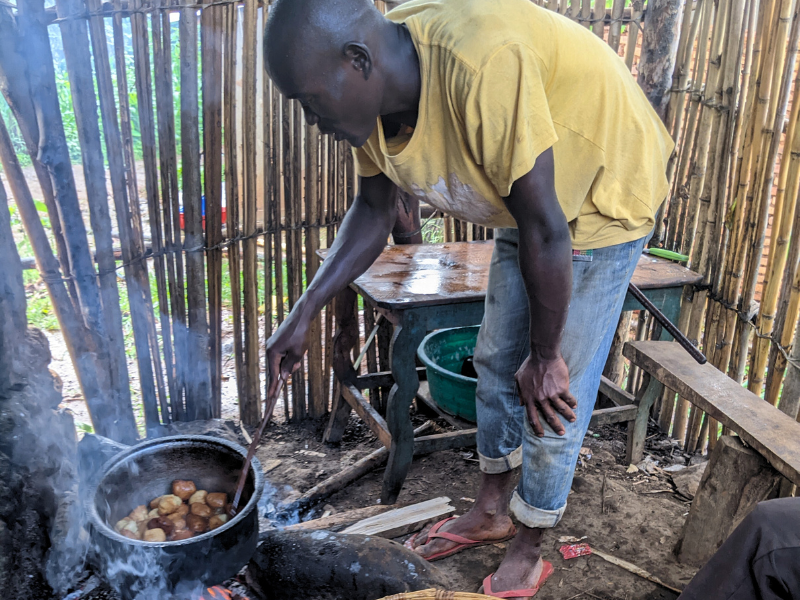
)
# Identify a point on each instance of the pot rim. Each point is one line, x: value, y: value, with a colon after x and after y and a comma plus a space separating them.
x: 108, y: 531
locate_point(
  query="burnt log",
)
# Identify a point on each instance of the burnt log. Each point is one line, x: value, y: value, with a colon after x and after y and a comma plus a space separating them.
x: 331, y: 566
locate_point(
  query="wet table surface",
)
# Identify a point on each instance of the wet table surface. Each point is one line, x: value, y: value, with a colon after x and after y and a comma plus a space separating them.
x: 410, y: 276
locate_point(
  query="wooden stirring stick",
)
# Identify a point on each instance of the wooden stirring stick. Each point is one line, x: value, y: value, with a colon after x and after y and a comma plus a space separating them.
x: 270, y: 407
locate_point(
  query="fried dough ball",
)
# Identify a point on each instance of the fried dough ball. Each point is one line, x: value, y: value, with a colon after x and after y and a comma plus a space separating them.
x: 217, y: 521
x: 139, y: 513
x: 196, y: 523
x: 162, y: 523
x: 183, y: 489
x: 155, y: 535
x: 217, y: 500
x: 154, y: 502
x: 120, y: 525
x: 198, y: 496
x: 129, y: 534
x: 180, y: 534
x: 178, y: 523
x: 153, y: 514
x: 168, y: 505
x: 201, y: 510
x: 183, y: 510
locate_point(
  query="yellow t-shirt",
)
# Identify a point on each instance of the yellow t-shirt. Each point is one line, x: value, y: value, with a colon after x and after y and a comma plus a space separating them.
x: 503, y: 81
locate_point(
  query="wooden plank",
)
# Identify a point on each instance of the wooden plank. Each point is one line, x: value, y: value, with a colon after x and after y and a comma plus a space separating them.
x: 444, y: 441
x: 382, y: 378
x: 250, y: 404
x: 758, y: 423
x: 367, y: 413
x: 402, y: 521
x: 616, y: 414
x: 339, y: 520
x: 616, y: 394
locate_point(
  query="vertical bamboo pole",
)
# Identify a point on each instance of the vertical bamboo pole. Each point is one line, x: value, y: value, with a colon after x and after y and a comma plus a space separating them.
x: 175, y: 356
x: 598, y: 18
x: 250, y: 408
x: 78, y: 58
x: 76, y: 337
x: 782, y: 224
x: 615, y: 29
x: 637, y: 8
x: 232, y: 194
x: 144, y: 89
x: 212, y: 41
x: 198, y: 383
x: 135, y: 272
x: 317, y: 401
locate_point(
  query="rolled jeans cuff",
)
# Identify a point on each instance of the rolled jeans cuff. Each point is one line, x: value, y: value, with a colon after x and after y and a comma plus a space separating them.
x: 493, y: 466
x: 534, y: 517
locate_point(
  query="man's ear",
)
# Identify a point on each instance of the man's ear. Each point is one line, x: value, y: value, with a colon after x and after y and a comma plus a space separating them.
x: 360, y: 57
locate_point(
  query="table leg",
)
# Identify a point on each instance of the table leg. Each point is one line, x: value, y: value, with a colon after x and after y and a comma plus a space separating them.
x: 407, y: 338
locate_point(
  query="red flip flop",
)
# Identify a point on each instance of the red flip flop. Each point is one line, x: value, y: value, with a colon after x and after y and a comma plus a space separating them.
x: 547, y: 570
x: 463, y: 543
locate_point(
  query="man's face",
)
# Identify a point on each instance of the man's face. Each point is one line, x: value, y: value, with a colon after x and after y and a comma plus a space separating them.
x: 334, y: 95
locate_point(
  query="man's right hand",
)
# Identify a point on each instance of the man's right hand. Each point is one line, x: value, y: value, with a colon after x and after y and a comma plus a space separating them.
x: 285, y: 349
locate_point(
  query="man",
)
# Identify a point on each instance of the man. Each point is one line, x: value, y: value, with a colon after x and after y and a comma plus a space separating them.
x: 760, y: 559
x: 506, y: 115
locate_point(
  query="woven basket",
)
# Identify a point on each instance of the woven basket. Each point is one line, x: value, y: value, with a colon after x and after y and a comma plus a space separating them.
x: 437, y: 595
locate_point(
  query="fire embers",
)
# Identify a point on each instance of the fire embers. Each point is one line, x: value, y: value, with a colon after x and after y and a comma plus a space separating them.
x: 221, y: 593
x: 184, y: 513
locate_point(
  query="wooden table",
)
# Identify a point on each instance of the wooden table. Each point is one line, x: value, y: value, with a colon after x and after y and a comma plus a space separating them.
x: 421, y: 288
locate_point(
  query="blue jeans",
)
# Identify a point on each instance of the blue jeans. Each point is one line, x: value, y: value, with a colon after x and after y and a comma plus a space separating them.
x: 505, y: 438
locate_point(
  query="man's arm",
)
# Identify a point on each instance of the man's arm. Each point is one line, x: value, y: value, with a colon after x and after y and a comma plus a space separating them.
x: 545, y: 260
x: 358, y: 244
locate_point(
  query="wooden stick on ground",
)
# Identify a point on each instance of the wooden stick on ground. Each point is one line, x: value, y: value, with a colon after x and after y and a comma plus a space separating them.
x: 630, y: 567
x: 403, y: 521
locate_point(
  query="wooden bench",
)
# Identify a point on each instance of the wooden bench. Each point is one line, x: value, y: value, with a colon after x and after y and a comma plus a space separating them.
x: 738, y: 474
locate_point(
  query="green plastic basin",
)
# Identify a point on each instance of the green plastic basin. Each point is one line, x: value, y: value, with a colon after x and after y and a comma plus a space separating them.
x: 443, y: 352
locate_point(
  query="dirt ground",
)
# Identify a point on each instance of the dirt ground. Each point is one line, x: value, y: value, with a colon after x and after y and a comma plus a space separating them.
x: 635, y: 517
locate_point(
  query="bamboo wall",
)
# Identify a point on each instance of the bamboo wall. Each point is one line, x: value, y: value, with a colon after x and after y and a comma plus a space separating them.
x: 286, y: 189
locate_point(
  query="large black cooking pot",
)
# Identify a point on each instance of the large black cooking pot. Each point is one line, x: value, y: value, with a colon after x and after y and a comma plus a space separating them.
x: 146, y: 471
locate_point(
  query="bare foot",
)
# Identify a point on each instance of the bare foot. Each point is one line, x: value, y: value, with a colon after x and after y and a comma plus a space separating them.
x: 487, y: 521
x: 522, y: 566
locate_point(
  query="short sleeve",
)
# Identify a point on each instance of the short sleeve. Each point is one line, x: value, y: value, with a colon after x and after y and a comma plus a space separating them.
x: 365, y: 166
x: 507, y: 117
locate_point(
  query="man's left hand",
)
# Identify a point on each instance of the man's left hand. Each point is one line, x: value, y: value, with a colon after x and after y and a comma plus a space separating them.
x: 544, y: 386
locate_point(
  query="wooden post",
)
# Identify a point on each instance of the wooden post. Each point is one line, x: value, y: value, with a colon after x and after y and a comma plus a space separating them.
x: 659, y: 46
x: 615, y: 364
x: 734, y: 481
